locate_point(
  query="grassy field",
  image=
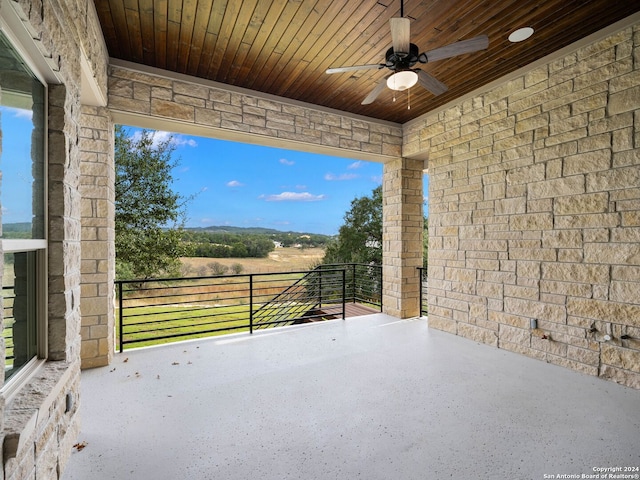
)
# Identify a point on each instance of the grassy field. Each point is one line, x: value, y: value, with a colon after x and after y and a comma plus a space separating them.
x: 280, y: 260
x: 146, y: 325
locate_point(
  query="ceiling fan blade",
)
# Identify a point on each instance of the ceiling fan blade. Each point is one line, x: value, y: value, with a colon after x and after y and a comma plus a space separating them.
x: 458, y: 48
x: 432, y: 84
x: 355, y: 67
x: 400, y: 34
x: 376, y: 91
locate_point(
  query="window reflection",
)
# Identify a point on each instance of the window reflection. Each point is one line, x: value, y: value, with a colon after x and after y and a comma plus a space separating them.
x: 22, y: 116
x: 18, y: 301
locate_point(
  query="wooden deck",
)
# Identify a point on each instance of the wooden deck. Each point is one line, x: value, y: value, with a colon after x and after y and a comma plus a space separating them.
x: 351, y: 310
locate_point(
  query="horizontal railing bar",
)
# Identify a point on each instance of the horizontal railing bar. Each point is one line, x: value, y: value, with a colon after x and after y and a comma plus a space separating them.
x: 175, y: 279
x: 147, y: 327
x: 182, y: 294
x: 178, y: 327
x: 164, y: 337
x: 176, y: 304
x: 184, y: 319
x: 216, y: 293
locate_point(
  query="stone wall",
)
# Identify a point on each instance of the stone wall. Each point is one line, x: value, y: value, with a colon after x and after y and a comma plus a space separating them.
x: 40, y: 422
x: 535, y: 211
x: 220, y: 112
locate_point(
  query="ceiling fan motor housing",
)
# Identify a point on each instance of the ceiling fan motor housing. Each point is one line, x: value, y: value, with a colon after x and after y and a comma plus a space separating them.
x: 404, y: 61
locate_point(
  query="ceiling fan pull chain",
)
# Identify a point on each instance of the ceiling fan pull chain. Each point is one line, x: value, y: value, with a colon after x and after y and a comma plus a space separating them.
x: 408, y: 99
x: 394, y: 90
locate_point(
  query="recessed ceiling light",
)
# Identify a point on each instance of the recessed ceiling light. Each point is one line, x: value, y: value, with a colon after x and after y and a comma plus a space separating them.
x: 521, y: 34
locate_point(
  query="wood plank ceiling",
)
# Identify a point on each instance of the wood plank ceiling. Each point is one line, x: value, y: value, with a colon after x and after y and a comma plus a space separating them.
x: 283, y: 47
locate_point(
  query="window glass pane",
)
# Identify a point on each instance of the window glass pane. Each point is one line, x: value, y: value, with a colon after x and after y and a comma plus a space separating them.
x: 19, y: 293
x: 22, y: 115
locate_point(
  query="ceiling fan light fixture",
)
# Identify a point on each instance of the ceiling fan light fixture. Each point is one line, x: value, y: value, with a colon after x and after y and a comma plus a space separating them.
x: 403, y: 80
x: 521, y: 34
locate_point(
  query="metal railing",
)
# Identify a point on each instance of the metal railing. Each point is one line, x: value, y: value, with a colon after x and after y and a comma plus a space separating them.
x: 152, y: 311
x: 8, y: 298
x: 363, y: 282
x: 424, y: 308
x: 303, y: 300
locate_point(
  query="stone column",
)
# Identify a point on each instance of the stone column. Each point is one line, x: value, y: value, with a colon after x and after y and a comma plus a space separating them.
x: 97, y: 186
x: 402, y: 200
x: 64, y: 226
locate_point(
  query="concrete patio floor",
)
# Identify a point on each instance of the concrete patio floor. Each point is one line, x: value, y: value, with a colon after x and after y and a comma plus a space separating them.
x: 371, y: 397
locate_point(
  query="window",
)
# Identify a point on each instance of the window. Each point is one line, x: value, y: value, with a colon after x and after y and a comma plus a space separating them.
x: 22, y: 196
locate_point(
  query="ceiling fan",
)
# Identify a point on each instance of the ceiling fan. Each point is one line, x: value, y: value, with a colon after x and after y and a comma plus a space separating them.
x: 404, y: 55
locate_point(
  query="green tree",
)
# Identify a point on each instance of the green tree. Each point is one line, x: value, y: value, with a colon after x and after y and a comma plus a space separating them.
x: 359, y: 239
x: 149, y: 214
x: 217, y: 268
x: 239, y: 250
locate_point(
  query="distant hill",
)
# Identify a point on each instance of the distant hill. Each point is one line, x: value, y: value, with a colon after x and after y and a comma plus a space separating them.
x: 17, y: 230
x: 17, y: 227
x: 248, y: 230
x: 239, y: 242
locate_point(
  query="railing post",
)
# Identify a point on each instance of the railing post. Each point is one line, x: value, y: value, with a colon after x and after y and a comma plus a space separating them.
x: 380, y: 286
x: 420, y: 289
x: 344, y: 293
x: 320, y: 288
x: 251, y: 304
x: 353, y: 284
x: 120, y: 319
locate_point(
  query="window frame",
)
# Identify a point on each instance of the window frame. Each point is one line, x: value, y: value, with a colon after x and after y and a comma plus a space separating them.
x: 13, y: 29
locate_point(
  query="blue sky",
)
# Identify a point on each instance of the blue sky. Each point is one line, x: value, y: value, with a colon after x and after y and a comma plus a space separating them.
x: 246, y: 185
x: 16, y: 189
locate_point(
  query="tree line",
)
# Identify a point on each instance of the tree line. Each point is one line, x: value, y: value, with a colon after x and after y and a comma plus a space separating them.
x: 245, y: 245
x: 227, y: 245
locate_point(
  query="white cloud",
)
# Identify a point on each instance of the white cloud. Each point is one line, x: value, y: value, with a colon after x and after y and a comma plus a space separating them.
x: 23, y: 113
x: 284, y: 161
x: 355, y: 165
x: 160, y: 136
x: 234, y: 183
x: 330, y: 177
x: 182, y: 141
x: 292, y: 197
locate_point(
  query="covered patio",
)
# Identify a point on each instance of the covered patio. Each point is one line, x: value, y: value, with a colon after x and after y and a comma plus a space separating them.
x: 371, y: 397
x: 533, y: 157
